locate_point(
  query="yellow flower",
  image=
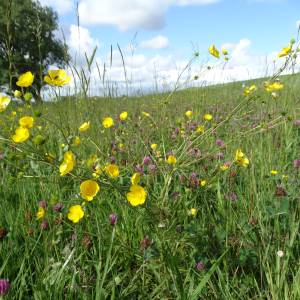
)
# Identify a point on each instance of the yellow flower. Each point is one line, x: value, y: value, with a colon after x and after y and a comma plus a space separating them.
x: 57, y: 77
x: 68, y: 164
x: 26, y: 122
x: 77, y: 141
x: 13, y: 113
x: 84, y: 126
x: 25, y: 80
x: 192, y: 212
x: 75, y: 213
x: 123, y: 116
x: 240, y: 158
x: 108, y: 122
x: 40, y: 213
x: 17, y: 94
x: 224, y: 51
x: 249, y: 90
x: 112, y: 170
x: 145, y: 114
x: 21, y: 135
x: 200, y: 129
x: 171, y: 160
x: 4, y: 101
x: 207, y: 117
x: 275, y: 86
x: 189, y: 114
x: 274, y: 172
x: 214, y: 51
x: 202, y: 183
x: 136, y: 178
x: 285, y: 51
x: 137, y: 195
x: 224, y: 167
x: 89, y: 189
x: 153, y: 147
x: 121, y: 146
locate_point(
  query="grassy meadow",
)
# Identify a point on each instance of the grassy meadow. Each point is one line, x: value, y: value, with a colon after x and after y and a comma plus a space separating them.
x: 216, y: 215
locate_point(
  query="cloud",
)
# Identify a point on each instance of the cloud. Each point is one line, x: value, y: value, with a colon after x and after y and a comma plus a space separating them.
x: 158, y: 42
x: 61, y: 6
x: 129, y: 14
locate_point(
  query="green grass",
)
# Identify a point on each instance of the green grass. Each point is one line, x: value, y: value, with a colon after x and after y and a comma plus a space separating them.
x: 236, y: 240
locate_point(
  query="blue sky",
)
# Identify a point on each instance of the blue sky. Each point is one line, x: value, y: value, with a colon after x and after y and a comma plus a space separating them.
x: 252, y: 29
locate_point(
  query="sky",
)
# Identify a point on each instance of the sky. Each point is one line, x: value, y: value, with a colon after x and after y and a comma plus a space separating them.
x: 158, y: 37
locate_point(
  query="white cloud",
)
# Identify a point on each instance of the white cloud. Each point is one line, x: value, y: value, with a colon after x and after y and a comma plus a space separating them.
x: 129, y: 14
x: 61, y: 6
x: 158, y: 42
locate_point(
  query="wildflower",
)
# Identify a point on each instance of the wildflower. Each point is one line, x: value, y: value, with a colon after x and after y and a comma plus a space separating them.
x: 137, y: 195
x: 77, y: 141
x: 68, y: 164
x: 297, y: 123
x: 200, y: 129
x: 220, y: 143
x: 4, y: 287
x: 207, y: 117
x: 146, y: 114
x: 41, y: 213
x: 280, y: 253
x: 75, y: 213
x: 225, y: 166
x: 285, y: 50
x: 112, y: 170
x: 58, y: 207
x: 200, y: 266
x: 297, y: 163
x: 147, y: 160
x: 113, y: 219
x: 89, y: 189
x: 189, y: 114
x: 171, y: 160
x: 25, y: 80
x: 275, y: 86
x: 57, y: 77
x: 135, y: 178
x: 17, y: 94
x: 192, y: 212
x: 214, y: 51
x: 84, y: 126
x: 4, y: 101
x: 21, y: 135
x: 44, y: 225
x: 152, y: 168
x: 274, y: 172
x: 202, y: 183
x: 240, y: 158
x: 231, y: 196
x: 108, y: 122
x: 153, y: 147
x: 250, y: 90
x: 26, y: 122
x: 224, y: 51
x: 123, y: 116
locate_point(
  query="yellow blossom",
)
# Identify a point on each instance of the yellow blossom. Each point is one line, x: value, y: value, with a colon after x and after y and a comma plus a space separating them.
x: 207, y: 117
x: 193, y: 212
x: 40, y: 213
x: 171, y: 160
x: 75, y: 213
x: 200, y: 129
x: 108, y: 122
x: 249, y: 90
x: 123, y: 116
x: 89, y: 189
x: 202, y: 183
x: 189, y: 114
x: 285, y: 51
x: 274, y: 172
x: 17, y: 94
x: 4, y: 101
x: 84, y: 126
x: 224, y: 51
x: 275, y: 86
x: 77, y: 141
x: 68, y: 163
x: 25, y: 80
x: 214, y: 51
x: 26, y: 122
x: 112, y: 170
x: 136, y: 178
x: 153, y: 147
x: 137, y: 195
x: 57, y: 77
x: 240, y: 158
x: 21, y: 135
x: 145, y: 114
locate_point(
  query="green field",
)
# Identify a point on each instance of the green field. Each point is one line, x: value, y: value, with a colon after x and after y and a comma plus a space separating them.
x: 229, y: 247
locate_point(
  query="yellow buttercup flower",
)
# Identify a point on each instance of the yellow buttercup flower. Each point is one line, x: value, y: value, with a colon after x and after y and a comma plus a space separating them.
x: 200, y: 129
x: 241, y: 159
x: 84, y: 126
x: 285, y: 51
x: 275, y: 86
x: 17, y: 94
x: 26, y: 122
x: 137, y: 195
x: 145, y: 114
x: 76, y: 213
x: 136, y: 178
x: 25, y: 80
x: 40, y: 213
x: 108, y: 122
x: 202, y: 183
x: 214, y: 51
x: 207, y: 117
x: 189, y: 114
x: 153, y: 147
x: 89, y: 189
x: 112, y: 170
x: 21, y: 135
x: 193, y: 212
x: 4, y: 101
x: 68, y: 163
x: 123, y: 116
x: 57, y: 77
x: 171, y: 160
x: 274, y: 172
x: 250, y: 90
